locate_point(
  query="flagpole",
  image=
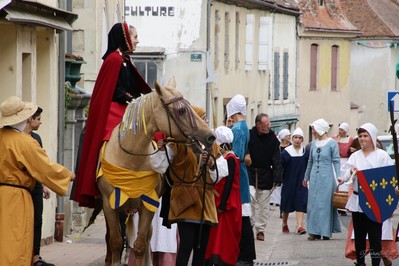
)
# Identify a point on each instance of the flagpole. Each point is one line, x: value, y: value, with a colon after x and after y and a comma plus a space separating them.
x: 394, y: 137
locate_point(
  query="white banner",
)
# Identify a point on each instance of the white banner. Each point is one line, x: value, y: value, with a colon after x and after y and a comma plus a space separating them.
x: 172, y: 24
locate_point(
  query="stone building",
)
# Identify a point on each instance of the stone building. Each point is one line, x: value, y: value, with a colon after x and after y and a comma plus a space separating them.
x: 31, y: 67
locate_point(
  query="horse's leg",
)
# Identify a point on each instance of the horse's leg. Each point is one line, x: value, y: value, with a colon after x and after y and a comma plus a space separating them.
x: 108, y: 257
x: 148, y: 249
x: 115, y: 235
x: 112, y: 219
x: 143, y: 235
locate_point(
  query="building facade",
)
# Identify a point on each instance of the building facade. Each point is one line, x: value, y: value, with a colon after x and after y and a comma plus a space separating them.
x: 324, y: 58
x: 374, y: 55
x: 29, y: 68
x: 217, y: 49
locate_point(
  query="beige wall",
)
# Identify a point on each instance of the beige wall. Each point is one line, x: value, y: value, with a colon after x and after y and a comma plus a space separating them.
x: 254, y: 84
x: 372, y: 77
x: 89, y: 38
x: 28, y: 69
x: 181, y: 36
x: 333, y: 106
x: 47, y: 88
x: 284, y: 41
x: 8, y: 63
x: 233, y: 80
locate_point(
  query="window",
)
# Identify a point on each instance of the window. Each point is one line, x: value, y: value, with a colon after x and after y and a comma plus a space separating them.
x: 249, y: 41
x: 334, y: 67
x: 149, y: 69
x: 226, y: 40
x: 237, y: 42
x: 214, y: 110
x: 264, y: 42
x: 276, y: 75
x: 313, y: 66
x: 27, y: 76
x: 285, y: 76
x: 320, y: 2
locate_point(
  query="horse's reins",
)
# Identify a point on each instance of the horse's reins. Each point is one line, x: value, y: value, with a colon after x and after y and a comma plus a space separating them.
x: 181, y: 103
x: 202, y: 168
x: 178, y: 103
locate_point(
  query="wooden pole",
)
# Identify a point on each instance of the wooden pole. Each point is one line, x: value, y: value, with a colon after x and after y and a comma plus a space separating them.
x: 394, y: 137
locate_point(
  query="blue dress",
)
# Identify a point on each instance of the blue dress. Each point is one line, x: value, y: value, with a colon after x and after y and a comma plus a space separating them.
x: 294, y: 196
x: 322, y: 217
x: 240, y: 146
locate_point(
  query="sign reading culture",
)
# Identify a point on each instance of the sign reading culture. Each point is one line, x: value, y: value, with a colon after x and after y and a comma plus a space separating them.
x: 149, y: 11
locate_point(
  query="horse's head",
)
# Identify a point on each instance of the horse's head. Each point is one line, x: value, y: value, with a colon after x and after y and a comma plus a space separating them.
x: 176, y: 118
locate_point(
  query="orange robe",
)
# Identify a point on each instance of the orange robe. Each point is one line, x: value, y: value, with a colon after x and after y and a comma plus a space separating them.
x: 22, y: 161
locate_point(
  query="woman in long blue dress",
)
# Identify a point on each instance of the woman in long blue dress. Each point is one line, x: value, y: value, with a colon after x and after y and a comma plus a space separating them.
x: 294, y: 196
x: 321, y: 175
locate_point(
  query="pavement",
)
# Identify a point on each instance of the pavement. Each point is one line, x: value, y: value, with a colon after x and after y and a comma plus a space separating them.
x: 277, y: 249
x: 79, y: 249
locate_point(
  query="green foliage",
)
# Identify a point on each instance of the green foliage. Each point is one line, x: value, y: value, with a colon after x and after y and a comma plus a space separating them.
x: 68, y: 99
x: 87, y: 110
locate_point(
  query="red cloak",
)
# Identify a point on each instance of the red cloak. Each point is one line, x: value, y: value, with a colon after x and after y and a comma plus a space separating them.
x: 224, y: 240
x: 101, y: 118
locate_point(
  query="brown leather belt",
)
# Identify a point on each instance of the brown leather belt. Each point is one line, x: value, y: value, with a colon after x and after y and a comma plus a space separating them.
x: 13, y: 185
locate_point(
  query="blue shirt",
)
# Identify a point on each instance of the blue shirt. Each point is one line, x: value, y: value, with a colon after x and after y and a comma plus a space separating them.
x: 240, y: 146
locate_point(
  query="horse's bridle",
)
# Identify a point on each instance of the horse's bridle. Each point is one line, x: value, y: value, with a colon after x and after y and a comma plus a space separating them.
x: 184, y: 103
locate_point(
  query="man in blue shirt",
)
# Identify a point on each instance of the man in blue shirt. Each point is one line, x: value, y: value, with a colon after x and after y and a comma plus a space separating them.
x: 237, y: 109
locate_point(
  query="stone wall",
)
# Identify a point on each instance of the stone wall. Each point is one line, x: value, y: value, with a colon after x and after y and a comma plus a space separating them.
x: 75, y: 217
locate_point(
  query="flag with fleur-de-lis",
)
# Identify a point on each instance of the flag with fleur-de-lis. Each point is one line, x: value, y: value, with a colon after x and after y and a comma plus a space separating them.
x: 377, y: 196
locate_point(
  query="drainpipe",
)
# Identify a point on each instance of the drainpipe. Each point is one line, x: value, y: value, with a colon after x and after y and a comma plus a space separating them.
x: 60, y: 215
x: 208, y: 57
x: 69, y: 33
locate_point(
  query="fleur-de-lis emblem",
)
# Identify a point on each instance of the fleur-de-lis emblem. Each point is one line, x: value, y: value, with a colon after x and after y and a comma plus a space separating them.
x: 383, y: 183
x: 368, y: 205
x: 393, y: 181
x: 389, y: 200
x: 373, y: 185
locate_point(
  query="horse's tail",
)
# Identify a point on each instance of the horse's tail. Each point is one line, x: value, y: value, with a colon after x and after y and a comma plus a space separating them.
x: 96, y: 211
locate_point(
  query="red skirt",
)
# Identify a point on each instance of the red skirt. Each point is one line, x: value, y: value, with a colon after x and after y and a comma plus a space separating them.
x: 115, y: 115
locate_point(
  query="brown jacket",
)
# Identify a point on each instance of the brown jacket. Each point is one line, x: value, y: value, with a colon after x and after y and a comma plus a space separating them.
x: 186, y: 199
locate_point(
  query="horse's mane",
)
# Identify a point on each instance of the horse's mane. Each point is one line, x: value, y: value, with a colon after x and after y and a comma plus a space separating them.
x: 135, y: 115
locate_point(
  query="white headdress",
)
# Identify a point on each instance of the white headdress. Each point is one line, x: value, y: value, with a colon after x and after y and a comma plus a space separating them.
x: 237, y: 105
x: 321, y: 126
x: 282, y: 134
x: 344, y: 126
x: 373, y: 131
x: 298, y: 132
x: 224, y: 135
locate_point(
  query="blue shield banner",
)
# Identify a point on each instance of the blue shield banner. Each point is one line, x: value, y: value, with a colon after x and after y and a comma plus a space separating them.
x: 377, y: 196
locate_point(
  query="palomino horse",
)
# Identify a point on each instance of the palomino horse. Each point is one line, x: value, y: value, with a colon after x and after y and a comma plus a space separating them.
x: 130, y: 147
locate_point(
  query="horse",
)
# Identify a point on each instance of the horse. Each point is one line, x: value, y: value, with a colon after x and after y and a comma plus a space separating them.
x: 129, y: 148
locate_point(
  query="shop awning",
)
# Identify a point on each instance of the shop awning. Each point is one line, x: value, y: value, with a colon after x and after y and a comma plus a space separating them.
x: 33, y: 12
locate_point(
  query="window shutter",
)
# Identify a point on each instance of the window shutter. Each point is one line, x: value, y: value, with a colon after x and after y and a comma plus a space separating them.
x: 313, y: 67
x: 249, y: 41
x: 334, y: 67
x: 276, y: 76
x: 264, y: 42
x: 285, y: 76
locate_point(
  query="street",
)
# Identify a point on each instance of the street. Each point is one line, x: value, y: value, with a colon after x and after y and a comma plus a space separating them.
x: 277, y: 249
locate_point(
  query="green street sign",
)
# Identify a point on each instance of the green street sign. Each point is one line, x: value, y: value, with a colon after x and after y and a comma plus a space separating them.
x: 196, y: 57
